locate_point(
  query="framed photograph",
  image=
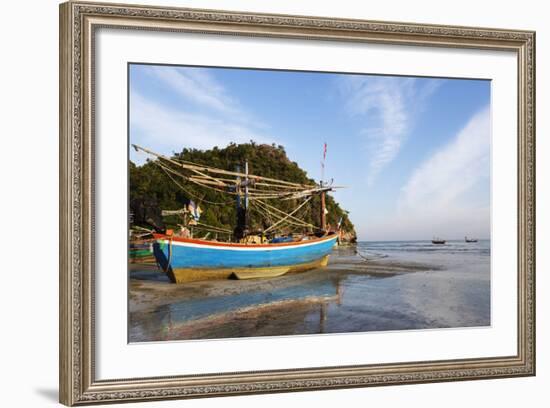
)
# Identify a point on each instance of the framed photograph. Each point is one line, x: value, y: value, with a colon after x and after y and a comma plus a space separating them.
x: 256, y: 203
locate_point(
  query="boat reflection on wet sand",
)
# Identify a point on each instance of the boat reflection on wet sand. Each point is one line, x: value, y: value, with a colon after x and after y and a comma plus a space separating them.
x: 251, y: 310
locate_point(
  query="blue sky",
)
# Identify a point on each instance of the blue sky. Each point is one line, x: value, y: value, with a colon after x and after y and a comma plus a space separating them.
x: 414, y: 152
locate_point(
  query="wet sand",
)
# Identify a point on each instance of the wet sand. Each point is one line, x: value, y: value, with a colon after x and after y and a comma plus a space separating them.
x: 150, y: 288
x: 301, y: 303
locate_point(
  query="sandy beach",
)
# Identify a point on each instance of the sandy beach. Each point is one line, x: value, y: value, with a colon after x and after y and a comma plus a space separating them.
x: 317, y: 301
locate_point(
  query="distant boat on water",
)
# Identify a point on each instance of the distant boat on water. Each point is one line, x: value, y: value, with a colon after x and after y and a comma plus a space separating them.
x: 438, y: 241
x: 466, y: 239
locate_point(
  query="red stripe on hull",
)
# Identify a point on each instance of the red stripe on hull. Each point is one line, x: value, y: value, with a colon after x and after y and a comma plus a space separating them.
x: 235, y: 244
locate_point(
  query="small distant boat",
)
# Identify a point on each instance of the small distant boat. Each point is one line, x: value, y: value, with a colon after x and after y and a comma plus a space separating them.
x: 466, y: 239
x: 438, y: 241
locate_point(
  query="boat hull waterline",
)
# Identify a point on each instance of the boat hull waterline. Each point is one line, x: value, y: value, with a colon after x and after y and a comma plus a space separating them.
x: 186, y: 260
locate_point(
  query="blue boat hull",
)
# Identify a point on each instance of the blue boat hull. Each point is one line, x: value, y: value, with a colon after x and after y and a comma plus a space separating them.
x: 186, y: 260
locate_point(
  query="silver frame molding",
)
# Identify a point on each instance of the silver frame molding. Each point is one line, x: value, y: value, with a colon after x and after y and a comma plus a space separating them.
x: 78, y: 22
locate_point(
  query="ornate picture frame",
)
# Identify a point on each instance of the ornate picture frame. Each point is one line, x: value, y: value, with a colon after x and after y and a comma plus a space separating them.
x: 78, y: 24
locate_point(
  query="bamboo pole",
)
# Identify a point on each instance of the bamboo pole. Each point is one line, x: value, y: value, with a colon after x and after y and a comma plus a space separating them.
x: 268, y: 206
x: 288, y: 215
x: 216, y: 170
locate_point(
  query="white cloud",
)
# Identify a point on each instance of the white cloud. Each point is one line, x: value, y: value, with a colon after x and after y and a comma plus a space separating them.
x: 167, y: 129
x: 389, y: 106
x: 195, y: 85
x: 450, y: 173
x: 205, y: 114
x: 201, y: 89
x: 448, y: 194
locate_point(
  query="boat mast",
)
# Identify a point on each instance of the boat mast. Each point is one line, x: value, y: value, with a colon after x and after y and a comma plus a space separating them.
x: 242, y: 203
x: 246, y: 197
x: 246, y: 185
x: 323, y: 210
x: 323, y: 204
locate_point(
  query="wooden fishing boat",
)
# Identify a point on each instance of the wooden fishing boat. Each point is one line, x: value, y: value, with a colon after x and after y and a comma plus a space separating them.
x: 186, y: 259
x: 469, y: 240
x: 141, y: 251
x: 438, y: 241
x: 246, y: 254
x: 140, y: 246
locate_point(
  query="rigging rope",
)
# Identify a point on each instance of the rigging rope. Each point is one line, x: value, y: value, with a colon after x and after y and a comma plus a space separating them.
x: 219, y: 229
x: 286, y: 223
x: 169, y: 260
x: 296, y: 221
x: 301, y: 222
x: 185, y: 190
x: 267, y: 189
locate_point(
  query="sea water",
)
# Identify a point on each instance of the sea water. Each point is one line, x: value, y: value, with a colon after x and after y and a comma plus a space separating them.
x: 456, y: 293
